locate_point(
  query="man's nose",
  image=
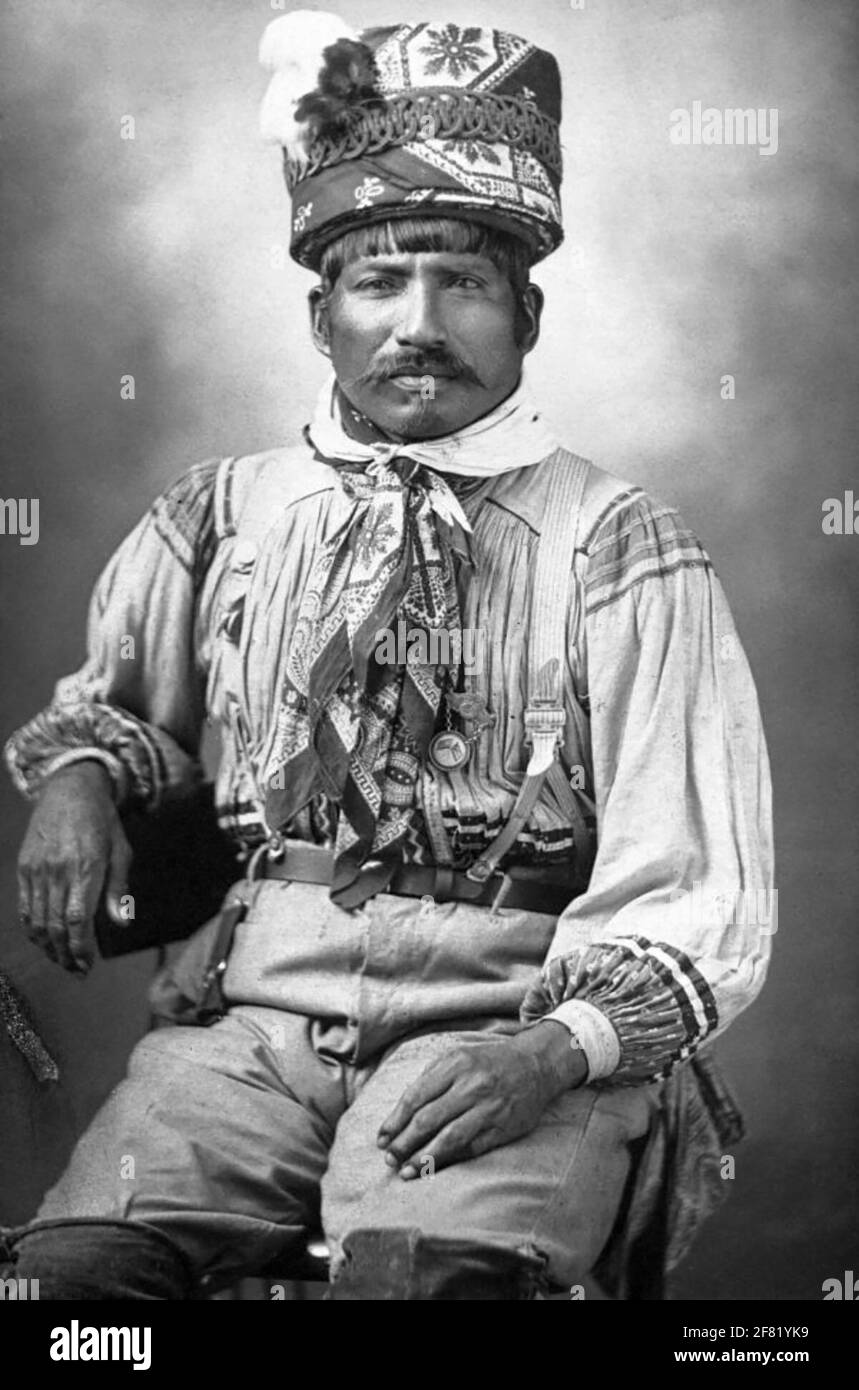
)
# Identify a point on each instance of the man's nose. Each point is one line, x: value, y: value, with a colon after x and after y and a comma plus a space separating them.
x: 420, y: 323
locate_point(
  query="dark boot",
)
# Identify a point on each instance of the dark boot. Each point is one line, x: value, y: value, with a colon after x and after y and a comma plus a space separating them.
x: 97, y: 1260
x: 403, y: 1264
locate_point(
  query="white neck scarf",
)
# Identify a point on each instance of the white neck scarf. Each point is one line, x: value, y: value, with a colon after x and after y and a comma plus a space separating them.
x: 513, y: 435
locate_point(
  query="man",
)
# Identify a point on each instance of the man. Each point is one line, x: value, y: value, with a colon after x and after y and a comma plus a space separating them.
x: 469, y: 962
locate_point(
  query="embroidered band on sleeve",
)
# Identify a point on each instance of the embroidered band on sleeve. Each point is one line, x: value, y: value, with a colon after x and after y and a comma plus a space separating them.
x: 636, y: 540
x: 658, y: 1004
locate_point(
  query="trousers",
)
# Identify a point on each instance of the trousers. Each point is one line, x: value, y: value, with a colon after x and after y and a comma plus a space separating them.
x: 237, y: 1141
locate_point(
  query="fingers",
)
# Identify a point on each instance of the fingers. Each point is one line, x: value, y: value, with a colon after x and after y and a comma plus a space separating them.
x: 40, y: 916
x: 417, y: 1138
x: 73, y: 836
x: 116, y: 886
x: 55, y: 908
x: 459, y: 1140
x: 473, y: 1099
x: 432, y: 1083
x: 80, y: 910
x: 55, y: 919
x: 30, y: 914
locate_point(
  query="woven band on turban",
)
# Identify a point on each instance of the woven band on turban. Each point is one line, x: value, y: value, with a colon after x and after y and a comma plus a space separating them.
x: 450, y: 114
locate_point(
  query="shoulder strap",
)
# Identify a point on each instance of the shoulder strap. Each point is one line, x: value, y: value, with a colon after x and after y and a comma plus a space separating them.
x: 550, y: 614
x: 554, y: 593
x: 551, y: 597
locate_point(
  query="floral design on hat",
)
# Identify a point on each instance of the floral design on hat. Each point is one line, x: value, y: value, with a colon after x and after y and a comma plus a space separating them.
x: 459, y: 121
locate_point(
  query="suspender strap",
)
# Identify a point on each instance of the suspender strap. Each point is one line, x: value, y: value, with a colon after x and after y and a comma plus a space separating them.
x: 552, y: 595
x: 571, y: 807
x: 550, y: 611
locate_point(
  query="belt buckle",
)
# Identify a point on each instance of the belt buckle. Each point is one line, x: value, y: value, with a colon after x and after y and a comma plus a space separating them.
x: 481, y: 872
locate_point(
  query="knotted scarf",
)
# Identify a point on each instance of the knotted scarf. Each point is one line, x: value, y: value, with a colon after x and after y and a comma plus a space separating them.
x: 352, y: 727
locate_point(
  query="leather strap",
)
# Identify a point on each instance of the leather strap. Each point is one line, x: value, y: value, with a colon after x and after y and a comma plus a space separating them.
x: 544, y: 888
x: 210, y: 1004
x: 551, y: 598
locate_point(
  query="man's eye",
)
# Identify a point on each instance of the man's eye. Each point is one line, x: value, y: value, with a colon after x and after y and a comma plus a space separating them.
x: 376, y: 282
x: 466, y: 282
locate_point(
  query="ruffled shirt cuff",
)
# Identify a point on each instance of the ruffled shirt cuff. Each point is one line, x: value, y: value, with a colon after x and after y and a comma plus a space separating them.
x: 648, y: 995
x: 118, y: 774
x: 143, y: 761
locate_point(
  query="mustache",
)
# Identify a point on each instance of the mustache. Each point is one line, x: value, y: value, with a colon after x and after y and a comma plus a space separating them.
x: 439, y: 363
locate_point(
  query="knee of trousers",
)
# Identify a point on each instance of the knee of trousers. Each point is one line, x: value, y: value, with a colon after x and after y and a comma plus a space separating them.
x: 95, y: 1259
x: 403, y: 1264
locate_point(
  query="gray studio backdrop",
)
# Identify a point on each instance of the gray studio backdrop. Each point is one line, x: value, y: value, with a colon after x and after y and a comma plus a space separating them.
x: 161, y: 257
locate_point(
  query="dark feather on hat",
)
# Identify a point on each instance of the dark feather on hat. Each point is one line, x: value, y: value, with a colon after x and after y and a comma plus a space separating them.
x: 349, y: 76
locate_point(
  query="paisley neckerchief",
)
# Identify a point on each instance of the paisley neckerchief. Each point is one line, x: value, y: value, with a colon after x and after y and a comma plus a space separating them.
x: 354, y: 728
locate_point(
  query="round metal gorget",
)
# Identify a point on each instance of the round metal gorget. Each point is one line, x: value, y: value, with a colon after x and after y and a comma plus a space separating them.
x: 448, y: 751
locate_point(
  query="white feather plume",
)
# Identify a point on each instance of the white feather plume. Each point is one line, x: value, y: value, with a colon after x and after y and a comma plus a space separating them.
x: 292, y: 49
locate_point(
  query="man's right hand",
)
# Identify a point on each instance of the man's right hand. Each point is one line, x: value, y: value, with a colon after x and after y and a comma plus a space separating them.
x: 74, y: 847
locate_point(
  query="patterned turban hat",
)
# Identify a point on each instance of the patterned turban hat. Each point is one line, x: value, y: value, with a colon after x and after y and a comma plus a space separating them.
x: 407, y: 118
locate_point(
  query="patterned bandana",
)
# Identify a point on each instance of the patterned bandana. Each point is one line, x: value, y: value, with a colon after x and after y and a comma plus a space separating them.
x: 353, y: 727
x: 429, y: 117
x: 353, y: 731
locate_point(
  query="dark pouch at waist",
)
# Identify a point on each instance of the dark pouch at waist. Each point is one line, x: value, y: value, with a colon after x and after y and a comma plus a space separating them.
x: 182, y: 866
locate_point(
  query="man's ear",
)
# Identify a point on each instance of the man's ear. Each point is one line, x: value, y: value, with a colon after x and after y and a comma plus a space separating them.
x: 529, y: 313
x: 319, y: 326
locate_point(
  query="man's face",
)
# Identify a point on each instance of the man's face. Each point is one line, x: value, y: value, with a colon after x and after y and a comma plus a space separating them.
x: 423, y: 343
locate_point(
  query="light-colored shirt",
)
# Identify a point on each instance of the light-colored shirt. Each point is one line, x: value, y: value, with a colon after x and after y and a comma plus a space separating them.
x: 663, y: 743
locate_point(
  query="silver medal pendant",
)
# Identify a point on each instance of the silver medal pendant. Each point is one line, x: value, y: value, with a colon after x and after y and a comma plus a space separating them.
x: 448, y: 751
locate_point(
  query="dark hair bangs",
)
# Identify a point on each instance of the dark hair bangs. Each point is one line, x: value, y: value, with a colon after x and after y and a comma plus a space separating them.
x: 412, y: 235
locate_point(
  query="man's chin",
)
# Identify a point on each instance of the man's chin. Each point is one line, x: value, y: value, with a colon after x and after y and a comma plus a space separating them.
x: 426, y: 427
x: 411, y: 415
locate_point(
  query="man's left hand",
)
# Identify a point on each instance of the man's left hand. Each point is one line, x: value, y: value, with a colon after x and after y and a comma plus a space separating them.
x: 479, y: 1096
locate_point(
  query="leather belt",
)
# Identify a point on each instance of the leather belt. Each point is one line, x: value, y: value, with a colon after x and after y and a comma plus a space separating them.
x: 530, y: 888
